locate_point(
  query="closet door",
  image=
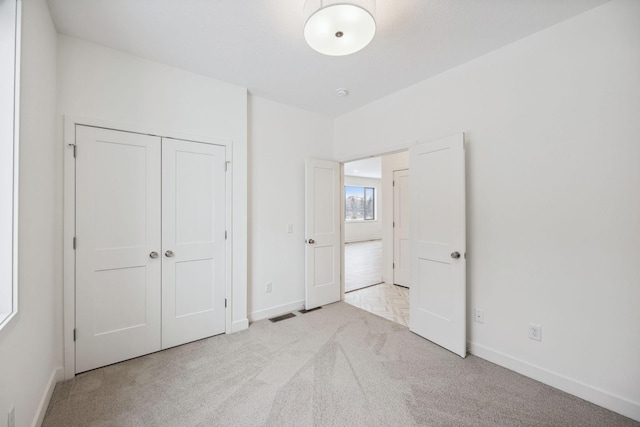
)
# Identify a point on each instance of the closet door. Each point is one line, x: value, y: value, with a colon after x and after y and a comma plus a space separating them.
x: 118, y: 262
x: 193, y: 241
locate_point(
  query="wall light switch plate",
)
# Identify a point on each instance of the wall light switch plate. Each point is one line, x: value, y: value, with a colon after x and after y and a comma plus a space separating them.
x: 478, y: 315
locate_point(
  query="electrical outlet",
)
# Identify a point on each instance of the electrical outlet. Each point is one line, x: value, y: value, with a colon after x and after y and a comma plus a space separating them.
x: 535, y: 332
x: 268, y: 287
x: 478, y: 315
x: 11, y: 418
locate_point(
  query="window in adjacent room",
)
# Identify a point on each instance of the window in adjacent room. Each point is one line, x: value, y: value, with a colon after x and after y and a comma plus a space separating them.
x: 360, y: 203
x: 9, y: 91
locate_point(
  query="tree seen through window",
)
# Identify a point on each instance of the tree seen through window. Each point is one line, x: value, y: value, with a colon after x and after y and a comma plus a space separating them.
x: 359, y: 203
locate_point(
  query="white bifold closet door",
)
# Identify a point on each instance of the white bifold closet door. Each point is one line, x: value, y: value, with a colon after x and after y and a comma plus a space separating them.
x: 118, y: 281
x: 193, y: 241
x: 150, y: 254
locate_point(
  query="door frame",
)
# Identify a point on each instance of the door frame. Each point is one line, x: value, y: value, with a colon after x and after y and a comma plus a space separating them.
x: 394, y: 229
x: 378, y: 153
x: 391, y: 149
x: 69, y: 220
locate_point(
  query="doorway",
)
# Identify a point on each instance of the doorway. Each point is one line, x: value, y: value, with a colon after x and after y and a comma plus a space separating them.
x: 369, y: 253
x: 437, y: 243
x: 362, y: 225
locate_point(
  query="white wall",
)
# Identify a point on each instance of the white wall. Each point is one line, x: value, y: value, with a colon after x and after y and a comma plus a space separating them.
x: 31, y: 345
x: 553, y: 202
x: 357, y: 231
x: 102, y: 83
x: 280, y: 138
x: 390, y: 163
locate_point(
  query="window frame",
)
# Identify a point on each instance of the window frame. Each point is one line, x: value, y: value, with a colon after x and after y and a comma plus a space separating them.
x: 364, y: 207
x: 12, y: 196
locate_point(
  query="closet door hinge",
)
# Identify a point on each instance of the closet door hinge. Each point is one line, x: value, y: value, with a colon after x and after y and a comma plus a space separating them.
x: 74, y: 335
x: 74, y: 242
x: 226, y: 165
x: 225, y: 234
x: 394, y: 184
x: 394, y: 224
x: 75, y: 150
x: 225, y: 303
x: 393, y: 265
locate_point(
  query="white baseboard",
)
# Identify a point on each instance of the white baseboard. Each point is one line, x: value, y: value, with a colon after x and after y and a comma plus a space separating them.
x: 362, y: 239
x: 276, y: 311
x: 239, y: 325
x: 577, y: 388
x: 56, y: 376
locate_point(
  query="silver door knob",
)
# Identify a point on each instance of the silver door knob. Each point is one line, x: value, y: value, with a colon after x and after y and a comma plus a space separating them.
x: 153, y: 255
x: 168, y: 254
x: 311, y: 241
x: 455, y: 255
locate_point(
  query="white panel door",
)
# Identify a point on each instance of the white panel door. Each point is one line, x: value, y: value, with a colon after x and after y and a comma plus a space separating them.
x: 438, y: 243
x: 322, y: 232
x: 193, y: 241
x: 401, y: 258
x: 118, y: 242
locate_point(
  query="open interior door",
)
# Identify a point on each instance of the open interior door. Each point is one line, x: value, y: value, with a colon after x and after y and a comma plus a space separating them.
x: 438, y: 242
x: 322, y: 232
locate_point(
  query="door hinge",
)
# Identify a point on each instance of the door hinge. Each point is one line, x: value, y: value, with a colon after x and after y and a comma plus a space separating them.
x: 74, y: 335
x: 394, y: 184
x: 75, y: 150
x: 226, y: 165
x: 394, y: 224
x: 393, y: 265
x: 74, y: 242
x: 225, y: 303
x: 225, y: 234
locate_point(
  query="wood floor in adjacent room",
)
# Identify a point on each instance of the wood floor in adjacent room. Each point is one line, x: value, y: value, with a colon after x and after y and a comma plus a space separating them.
x: 384, y: 300
x: 362, y: 264
x: 364, y: 287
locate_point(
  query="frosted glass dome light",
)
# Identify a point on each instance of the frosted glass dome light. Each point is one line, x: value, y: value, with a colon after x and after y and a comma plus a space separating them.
x: 337, y: 27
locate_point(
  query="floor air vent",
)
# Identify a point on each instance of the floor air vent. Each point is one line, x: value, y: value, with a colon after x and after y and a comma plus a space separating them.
x: 284, y: 316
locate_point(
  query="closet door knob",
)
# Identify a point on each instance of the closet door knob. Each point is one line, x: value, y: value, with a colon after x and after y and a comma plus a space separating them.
x: 311, y: 241
x: 153, y: 255
x: 455, y: 255
x: 168, y: 254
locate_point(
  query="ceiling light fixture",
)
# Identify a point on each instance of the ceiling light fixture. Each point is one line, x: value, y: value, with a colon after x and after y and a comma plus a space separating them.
x: 338, y: 27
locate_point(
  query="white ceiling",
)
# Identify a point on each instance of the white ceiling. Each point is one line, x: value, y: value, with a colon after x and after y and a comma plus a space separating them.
x: 366, y: 168
x: 258, y: 44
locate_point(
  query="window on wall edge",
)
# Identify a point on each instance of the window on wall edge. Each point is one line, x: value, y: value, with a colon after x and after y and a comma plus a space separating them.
x: 359, y: 203
x: 9, y: 108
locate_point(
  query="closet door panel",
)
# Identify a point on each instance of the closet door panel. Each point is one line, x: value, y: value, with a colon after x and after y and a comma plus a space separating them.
x: 193, y: 224
x: 117, y: 229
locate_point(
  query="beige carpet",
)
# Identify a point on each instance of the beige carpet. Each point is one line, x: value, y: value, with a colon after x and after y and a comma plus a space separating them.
x: 338, y: 366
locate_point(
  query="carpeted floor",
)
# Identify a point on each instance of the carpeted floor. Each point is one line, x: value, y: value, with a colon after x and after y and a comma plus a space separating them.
x: 338, y: 366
